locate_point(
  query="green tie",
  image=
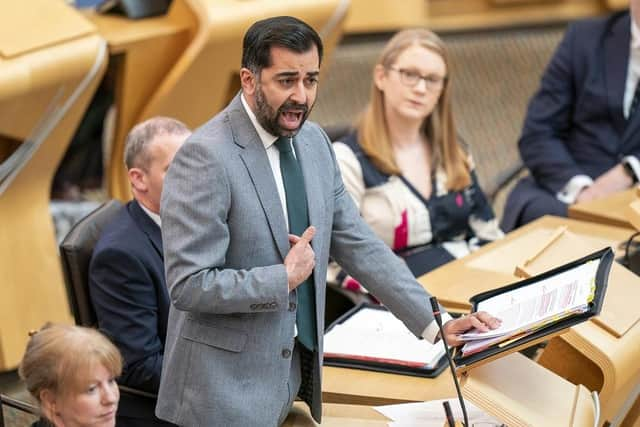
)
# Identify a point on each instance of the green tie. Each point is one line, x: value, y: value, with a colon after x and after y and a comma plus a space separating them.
x: 298, y: 222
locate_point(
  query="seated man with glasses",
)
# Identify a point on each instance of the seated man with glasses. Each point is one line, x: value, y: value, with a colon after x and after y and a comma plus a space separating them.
x: 405, y: 167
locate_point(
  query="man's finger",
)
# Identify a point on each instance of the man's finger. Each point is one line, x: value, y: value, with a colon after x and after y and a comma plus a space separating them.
x: 308, y: 234
x: 293, y: 239
x: 454, y: 340
x: 478, y: 324
x: 489, y: 320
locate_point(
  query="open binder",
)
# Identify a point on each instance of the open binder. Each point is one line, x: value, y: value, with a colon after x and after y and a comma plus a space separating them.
x: 546, y: 329
x: 423, y: 358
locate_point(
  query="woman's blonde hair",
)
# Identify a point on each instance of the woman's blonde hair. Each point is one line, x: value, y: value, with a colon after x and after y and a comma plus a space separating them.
x: 438, y: 128
x: 60, y: 358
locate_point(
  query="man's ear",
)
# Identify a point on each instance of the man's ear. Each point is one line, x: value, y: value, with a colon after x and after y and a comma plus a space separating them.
x: 137, y: 178
x: 248, y: 81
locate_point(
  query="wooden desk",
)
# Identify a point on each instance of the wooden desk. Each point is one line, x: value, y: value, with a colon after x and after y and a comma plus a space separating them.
x: 185, y: 64
x: 456, y: 282
x: 617, y: 4
x: 51, y: 61
x: 521, y: 394
x: 142, y: 52
x: 370, y: 16
x: 609, y: 210
x: 334, y: 415
x: 359, y: 387
x: 602, y: 359
x: 512, y: 389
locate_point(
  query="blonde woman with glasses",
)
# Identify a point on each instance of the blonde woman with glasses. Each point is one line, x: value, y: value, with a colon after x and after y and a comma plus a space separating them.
x: 405, y: 166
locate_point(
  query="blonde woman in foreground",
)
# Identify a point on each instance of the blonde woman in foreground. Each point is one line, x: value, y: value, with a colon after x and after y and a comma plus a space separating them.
x: 71, y: 371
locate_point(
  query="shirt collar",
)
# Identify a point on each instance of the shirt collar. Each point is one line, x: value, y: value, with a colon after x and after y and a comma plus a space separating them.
x: 154, y: 216
x: 266, y: 138
x: 635, y: 35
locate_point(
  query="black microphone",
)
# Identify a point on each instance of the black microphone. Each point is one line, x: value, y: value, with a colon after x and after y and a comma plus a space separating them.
x: 436, y: 313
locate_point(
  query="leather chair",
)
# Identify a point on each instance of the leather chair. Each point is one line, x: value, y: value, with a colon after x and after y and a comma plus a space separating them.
x: 75, y: 252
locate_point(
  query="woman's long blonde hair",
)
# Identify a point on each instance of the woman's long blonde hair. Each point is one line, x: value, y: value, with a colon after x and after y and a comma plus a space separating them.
x: 438, y: 127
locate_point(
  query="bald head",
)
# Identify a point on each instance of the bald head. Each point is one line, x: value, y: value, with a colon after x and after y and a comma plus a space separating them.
x: 143, y: 134
x: 150, y: 148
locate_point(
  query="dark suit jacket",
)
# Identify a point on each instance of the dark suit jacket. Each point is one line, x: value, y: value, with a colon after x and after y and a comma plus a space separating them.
x: 575, y: 123
x: 128, y: 292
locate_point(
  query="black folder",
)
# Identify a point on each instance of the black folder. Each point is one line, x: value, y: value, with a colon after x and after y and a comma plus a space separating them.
x: 371, y: 365
x: 606, y: 258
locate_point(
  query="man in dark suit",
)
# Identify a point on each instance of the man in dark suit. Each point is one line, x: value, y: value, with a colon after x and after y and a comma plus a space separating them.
x: 126, y: 275
x: 581, y: 135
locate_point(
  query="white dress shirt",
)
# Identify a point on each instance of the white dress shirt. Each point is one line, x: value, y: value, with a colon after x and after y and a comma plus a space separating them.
x: 154, y: 216
x: 431, y: 331
x: 570, y: 192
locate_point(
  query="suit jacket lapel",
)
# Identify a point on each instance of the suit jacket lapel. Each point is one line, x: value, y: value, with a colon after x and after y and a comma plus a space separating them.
x: 147, y: 225
x: 304, y: 153
x: 616, y: 60
x: 255, y: 159
x: 633, y: 124
x: 316, y: 209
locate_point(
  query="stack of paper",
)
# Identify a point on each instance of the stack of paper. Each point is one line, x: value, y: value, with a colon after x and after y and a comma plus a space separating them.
x: 431, y: 414
x: 376, y: 335
x: 527, y: 309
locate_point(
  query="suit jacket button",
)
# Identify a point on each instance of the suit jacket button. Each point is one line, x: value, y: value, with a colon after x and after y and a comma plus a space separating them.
x: 286, y: 353
x: 292, y: 306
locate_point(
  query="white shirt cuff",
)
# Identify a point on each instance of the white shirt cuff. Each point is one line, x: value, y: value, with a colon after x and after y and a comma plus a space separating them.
x: 430, y: 333
x: 633, y: 162
x: 570, y: 192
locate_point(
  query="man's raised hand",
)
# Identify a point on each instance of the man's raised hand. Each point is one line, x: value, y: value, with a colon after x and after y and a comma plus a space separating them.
x: 301, y: 259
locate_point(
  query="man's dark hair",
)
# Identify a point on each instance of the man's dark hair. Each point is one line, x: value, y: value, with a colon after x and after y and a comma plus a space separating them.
x: 283, y: 31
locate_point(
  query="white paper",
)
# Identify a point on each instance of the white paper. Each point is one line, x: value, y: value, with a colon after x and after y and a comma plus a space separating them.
x: 431, y: 414
x: 570, y: 291
x: 378, y: 334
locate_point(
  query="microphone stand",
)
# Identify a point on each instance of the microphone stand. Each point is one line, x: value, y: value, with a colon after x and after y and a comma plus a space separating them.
x: 436, y: 314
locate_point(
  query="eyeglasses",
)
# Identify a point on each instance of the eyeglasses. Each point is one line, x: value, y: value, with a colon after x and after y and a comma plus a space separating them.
x: 411, y: 78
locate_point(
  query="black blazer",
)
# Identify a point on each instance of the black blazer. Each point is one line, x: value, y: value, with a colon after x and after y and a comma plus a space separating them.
x: 129, y: 294
x: 575, y: 123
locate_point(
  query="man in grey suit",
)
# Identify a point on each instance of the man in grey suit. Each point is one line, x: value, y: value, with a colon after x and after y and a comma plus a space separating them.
x: 253, y: 206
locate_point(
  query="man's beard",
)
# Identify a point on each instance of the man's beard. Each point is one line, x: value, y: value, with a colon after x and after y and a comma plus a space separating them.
x: 268, y: 118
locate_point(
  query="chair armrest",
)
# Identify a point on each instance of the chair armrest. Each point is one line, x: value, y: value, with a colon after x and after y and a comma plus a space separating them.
x: 136, y: 392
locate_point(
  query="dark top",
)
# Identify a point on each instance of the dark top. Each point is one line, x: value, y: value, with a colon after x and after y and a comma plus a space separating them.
x: 464, y: 215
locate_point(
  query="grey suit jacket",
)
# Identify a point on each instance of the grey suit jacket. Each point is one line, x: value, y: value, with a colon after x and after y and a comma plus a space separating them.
x: 231, y: 323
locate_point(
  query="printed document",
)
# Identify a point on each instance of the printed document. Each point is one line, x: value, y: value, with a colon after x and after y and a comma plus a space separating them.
x: 378, y: 336
x: 528, y: 308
